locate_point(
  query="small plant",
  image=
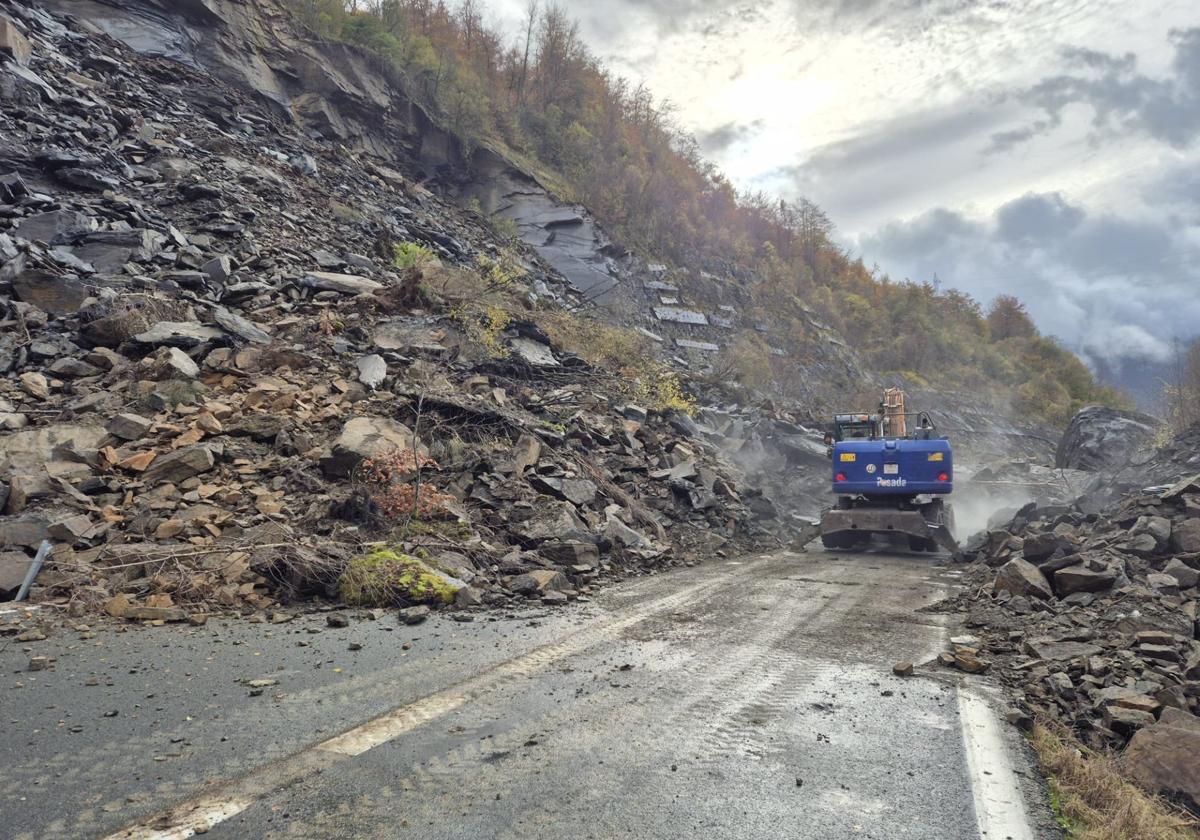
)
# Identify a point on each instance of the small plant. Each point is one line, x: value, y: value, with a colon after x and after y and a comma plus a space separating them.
x: 412, y: 255
x: 396, y: 493
x: 500, y: 273
x: 485, y: 325
x: 504, y: 227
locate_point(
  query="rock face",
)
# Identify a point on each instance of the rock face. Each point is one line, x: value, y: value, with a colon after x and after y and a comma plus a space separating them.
x: 1100, y: 438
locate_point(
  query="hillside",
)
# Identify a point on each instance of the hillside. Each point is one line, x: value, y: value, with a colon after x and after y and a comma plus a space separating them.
x: 594, y: 138
x: 240, y: 259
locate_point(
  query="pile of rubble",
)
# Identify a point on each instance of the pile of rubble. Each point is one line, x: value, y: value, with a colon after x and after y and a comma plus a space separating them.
x: 204, y: 333
x: 1092, y: 618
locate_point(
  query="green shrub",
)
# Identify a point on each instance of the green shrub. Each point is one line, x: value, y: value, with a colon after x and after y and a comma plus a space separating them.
x: 386, y: 577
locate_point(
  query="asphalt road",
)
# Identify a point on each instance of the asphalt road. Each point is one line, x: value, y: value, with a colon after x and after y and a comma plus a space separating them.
x: 741, y: 699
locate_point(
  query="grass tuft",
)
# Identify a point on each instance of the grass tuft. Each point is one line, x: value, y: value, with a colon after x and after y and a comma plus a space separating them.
x: 1093, y: 800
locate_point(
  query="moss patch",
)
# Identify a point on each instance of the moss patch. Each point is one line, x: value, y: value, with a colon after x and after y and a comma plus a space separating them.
x: 386, y: 577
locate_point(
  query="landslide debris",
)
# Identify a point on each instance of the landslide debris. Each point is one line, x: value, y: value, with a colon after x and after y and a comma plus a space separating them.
x: 1091, y: 617
x: 234, y: 361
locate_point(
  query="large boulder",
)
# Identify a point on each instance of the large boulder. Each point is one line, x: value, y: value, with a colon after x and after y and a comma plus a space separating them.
x: 1100, y: 438
x: 1084, y: 578
x: 1020, y: 577
x: 1163, y: 757
x: 367, y: 437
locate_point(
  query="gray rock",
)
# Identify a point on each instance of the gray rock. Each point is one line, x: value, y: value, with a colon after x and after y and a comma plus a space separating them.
x: 219, y: 269
x: 618, y: 532
x: 243, y: 328
x: 1083, y: 579
x: 346, y: 284
x: 1184, y: 574
x: 1158, y: 527
x: 1020, y: 577
x: 1163, y: 584
x: 14, y: 44
x: 550, y: 521
x: 1162, y: 756
x: 570, y: 553
x: 538, y: 582
x: 87, y: 179
x: 372, y: 370
x: 185, y: 334
x: 533, y: 352
x: 366, y: 437
x: 1185, y: 537
x: 414, y: 615
x: 128, y: 426
x: 56, y: 294
x: 170, y: 363
x: 1100, y: 438
x: 58, y: 227
x: 179, y: 465
x: 13, y: 566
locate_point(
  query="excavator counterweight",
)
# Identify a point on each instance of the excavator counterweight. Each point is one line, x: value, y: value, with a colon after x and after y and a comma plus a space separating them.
x: 891, y: 474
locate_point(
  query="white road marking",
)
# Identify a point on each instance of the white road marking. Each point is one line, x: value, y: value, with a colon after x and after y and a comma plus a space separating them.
x: 999, y: 806
x: 202, y: 813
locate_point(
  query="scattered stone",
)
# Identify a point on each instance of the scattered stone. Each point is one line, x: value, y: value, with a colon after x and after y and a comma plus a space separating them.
x: 414, y: 615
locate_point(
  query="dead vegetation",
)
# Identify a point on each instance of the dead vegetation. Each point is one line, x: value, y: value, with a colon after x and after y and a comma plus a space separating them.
x: 1094, y: 800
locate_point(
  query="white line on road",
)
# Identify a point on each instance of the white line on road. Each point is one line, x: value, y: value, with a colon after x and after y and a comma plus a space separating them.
x: 999, y: 806
x: 202, y: 813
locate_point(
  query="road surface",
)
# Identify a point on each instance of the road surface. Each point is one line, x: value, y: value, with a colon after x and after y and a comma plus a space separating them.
x: 739, y: 699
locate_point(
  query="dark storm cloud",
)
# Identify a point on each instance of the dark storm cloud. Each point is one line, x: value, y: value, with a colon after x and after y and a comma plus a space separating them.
x: 714, y: 141
x: 1037, y: 218
x: 1098, y: 281
x: 1121, y: 98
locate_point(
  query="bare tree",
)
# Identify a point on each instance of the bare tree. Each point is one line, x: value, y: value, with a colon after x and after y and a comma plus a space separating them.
x: 531, y: 18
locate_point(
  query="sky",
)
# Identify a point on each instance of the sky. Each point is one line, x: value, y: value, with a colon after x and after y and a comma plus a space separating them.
x: 1044, y: 148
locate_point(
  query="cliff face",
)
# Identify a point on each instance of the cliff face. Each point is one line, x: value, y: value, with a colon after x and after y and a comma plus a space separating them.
x: 333, y: 91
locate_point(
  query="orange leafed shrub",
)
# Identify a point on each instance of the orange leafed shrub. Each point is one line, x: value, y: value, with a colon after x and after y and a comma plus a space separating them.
x: 389, y: 482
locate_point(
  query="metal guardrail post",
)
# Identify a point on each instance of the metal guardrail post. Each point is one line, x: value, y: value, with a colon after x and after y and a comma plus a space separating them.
x: 34, y: 568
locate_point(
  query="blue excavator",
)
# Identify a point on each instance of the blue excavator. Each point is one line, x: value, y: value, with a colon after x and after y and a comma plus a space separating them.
x: 891, y: 474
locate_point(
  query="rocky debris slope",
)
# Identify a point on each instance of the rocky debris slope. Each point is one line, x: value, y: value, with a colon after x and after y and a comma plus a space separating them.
x: 1092, y: 618
x: 205, y: 334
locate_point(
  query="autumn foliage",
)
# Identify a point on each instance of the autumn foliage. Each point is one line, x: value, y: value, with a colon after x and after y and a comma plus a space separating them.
x: 393, y: 486
x: 595, y: 138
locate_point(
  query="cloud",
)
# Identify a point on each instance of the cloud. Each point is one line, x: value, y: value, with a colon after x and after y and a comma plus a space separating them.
x: 715, y: 141
x: 1121, y: 99
x: 1037, y: 218
x: 1115, y: 289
